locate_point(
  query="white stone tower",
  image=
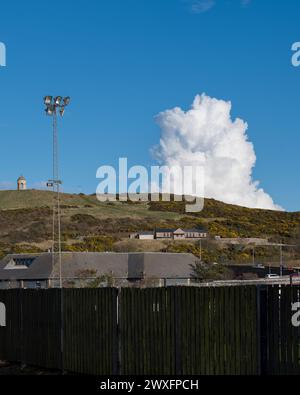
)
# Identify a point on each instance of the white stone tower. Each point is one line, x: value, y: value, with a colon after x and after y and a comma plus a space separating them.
x: 22, y: 184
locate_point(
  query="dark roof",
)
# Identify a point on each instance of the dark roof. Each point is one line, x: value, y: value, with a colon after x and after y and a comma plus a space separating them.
x: 119, y: 265
x: 165, y: 230
x: 128, y: 265
x: 195, y: 230
x: 39, y: 269
x: 165, y: 265
x: 146, y: 232
x: 102, y: 263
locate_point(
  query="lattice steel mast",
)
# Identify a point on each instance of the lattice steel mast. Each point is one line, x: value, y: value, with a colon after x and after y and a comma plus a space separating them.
x: 54, y: 107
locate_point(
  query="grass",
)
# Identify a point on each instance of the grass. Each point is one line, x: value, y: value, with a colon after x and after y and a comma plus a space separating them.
x: 81, y: 204
x: 26, y: 222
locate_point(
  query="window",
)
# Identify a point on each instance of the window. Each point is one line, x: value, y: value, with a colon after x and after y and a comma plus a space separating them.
x: 23, y: 261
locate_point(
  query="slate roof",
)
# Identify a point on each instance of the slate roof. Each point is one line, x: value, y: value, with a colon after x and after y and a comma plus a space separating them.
x: 40, y: 269
x: 165, y: 230
x: 195, y: 230
x: 166, y: 265
x: 119, y: 265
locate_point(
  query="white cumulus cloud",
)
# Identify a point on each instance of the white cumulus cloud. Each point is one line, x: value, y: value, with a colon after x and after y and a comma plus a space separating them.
x: 206, y: 136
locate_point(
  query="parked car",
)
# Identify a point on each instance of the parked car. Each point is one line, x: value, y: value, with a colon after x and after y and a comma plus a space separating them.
x: 272, y: 276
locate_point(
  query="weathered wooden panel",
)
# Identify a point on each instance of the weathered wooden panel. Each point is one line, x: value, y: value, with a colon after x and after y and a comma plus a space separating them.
x: 218, y: 331
x: 147, y: 332
x: 280, y: 339
x: 90, y: 331
x: 33, y: 334
x: 10, y: 335
x: 185, y: 330
x: 40, y: 328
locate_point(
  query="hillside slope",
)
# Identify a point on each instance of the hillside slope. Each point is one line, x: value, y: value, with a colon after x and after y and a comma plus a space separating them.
x: 26, y: 221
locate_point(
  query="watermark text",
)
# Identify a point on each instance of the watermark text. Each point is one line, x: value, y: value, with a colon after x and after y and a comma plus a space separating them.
x: 161, y: 182
x: 2, y: 315
x: 296, y: 54
x: 2, y: 55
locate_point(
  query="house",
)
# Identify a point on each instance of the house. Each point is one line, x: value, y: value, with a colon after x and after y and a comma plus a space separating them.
x: 195, y: 234
x: 80, y: 269
x: 143, y: 235
x: 164, y: 233
x: 180, y: 234
x: 171, y: 234
x: 30, y: 271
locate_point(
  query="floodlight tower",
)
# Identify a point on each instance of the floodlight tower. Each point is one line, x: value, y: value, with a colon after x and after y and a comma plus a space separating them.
x: 54, y: 107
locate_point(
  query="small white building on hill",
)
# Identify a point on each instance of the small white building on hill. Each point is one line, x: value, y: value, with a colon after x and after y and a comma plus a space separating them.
x: 171, y: 234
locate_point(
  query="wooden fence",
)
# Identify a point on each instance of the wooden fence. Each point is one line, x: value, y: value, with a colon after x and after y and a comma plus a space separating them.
x: 280, y: 339
x: 77, y: 333
x: 177, y: 330
x: 189, y: 331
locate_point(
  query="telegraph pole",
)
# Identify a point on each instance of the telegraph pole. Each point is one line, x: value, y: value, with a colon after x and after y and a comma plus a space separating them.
x: 200, y: 252
x: 281, y: 261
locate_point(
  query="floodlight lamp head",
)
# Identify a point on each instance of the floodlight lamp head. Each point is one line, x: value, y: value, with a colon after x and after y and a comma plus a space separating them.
x: 67, y: 100
x: 47, y: 100
x: 57, y: 100
x: 62, y: 111
x: 49, y: 110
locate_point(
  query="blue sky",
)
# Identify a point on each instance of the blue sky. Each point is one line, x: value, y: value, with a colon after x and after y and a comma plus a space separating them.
x: 124, y: 61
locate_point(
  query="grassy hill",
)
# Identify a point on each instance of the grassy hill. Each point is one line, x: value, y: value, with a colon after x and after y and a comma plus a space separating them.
x: 87, y: 224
